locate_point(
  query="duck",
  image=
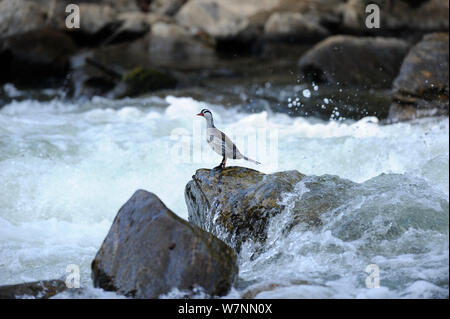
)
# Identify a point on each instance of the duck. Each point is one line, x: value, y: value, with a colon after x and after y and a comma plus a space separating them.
x: 220, y: 142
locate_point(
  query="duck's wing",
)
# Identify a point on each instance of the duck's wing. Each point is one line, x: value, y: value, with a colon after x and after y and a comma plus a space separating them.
x: 221, y: 144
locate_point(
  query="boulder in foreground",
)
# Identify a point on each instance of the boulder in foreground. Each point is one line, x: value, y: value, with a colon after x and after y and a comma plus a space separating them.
x: 149, y: 251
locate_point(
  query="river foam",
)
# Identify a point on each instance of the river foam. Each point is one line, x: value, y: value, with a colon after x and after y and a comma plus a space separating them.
x: 66, y: 168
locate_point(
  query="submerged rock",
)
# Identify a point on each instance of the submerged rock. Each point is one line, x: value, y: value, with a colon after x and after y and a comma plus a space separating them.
x: 421, y: 89
x: 149, y: 251
x: 237, y: 203
x: 43, y: 289
x: 330, y: 61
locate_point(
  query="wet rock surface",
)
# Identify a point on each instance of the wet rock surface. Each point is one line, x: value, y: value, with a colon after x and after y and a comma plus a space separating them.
x: 373, y: 63
x: 237, y: 203
x: 149, y: 251
x: 421, y: 89
x: 43, y: 289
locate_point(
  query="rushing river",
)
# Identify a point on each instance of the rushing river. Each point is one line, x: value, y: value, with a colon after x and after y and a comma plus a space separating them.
x: 67, y: 167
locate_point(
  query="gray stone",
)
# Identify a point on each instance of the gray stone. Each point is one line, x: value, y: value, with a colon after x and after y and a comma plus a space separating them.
x: 354, y: 61
x: 149, y: 251
x: 421, y: 89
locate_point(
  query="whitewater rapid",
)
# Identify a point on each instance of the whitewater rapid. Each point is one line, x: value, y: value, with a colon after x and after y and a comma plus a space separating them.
x: 67, y: 167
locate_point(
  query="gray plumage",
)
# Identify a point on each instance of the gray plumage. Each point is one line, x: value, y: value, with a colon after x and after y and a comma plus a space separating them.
x: 220, y: 142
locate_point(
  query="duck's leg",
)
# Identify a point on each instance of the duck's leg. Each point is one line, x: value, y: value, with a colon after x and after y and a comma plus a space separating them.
x: 222, y: 164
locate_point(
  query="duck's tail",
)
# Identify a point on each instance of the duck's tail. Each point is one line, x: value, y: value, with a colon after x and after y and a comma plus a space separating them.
x: 250, y: 160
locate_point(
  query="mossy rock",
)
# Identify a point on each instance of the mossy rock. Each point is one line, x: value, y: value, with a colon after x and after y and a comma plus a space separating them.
x: 141, y: 80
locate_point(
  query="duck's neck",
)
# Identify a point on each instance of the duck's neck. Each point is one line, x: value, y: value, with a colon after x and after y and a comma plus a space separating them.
x: 210, y: 123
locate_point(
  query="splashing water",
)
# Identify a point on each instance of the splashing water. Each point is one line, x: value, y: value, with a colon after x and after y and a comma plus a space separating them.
x: 66, y: 169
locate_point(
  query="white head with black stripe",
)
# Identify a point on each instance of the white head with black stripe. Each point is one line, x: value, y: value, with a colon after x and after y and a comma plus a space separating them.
x: 208, y: 116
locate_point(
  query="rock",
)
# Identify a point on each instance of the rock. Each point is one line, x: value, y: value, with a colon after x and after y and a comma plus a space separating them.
x: 398, y: 16
x: 167, y: 7
x: 236, y: 203
x: 139, y: 81
x: 421, y: 89
x: 20, y: 16
x: 102, y: 24
x: 119, y: 70
x: 225, y: 19
x: 293, y: 26
x: 170, y: 44
x: 239, y: 204
x: 337, y: 61
x: 36, y: 57
x: 95, y: 17
x: 43, y: 289
x: 217, y: 18
x: 149, y: 251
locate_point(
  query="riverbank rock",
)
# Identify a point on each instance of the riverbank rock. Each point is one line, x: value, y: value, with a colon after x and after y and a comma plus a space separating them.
x: 118, y: 70
x: 337, y: 61
x: 20, y: 16
x: 43, y: 289
x: 32, y: 58
x: 422, y: 88
x: 170, y: 43
x: 294, y: 26
x: 167, y: 7
x: 237, y: 203
x: 149, y: 251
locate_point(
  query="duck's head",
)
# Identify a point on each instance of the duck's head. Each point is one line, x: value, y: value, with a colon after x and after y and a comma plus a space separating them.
x: 207, y: 115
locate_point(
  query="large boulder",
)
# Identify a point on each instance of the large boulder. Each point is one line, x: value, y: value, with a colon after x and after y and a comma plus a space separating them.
x: 294, y: 26
x: 337, y: 61
x: 246, y: 21
x: 237, y: 203
x: 20, y: 16
x: 170, y: 43
x: 118, y: 70
x: 149, y: 251
x: 35, y: 56
x: 167, y: 7
x: 217, y: 18
x: 43, y: 289
x: 421, y: 88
